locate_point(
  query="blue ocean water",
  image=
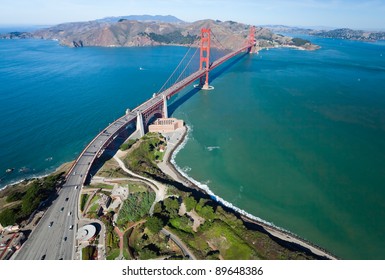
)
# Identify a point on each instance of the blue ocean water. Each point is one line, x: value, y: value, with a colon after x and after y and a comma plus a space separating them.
x: 54, y: 99
x: 293, y: 137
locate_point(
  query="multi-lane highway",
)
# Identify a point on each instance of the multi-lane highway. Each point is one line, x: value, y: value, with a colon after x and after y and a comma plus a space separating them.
x: 53, y: 238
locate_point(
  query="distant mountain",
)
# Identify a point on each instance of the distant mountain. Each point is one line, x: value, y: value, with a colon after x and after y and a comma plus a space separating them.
x: 128, y: 33
x: 350, y: 34
x: 288, y: 29
x: 157, y: 18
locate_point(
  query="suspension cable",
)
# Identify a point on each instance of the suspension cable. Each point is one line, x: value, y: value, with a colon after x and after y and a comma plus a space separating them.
x: 188, y: 64
x: 169, y: 78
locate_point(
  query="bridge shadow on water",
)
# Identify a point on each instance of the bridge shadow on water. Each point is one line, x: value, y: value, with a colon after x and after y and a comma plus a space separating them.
x: 179, y: 101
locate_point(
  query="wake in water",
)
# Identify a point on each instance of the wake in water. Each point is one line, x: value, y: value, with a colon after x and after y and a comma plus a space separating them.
x: 212, y: 148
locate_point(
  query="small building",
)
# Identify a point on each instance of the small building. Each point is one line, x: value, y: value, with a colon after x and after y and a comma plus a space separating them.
x: 165, y: 125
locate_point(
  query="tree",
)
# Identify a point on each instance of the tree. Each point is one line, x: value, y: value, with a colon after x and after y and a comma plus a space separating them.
x: 190, y: 203
x: 154, y: 224
x: 7, y: 217
x: 171, y: 206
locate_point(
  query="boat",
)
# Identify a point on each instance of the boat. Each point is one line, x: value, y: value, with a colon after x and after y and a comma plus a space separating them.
x: 9, y: 170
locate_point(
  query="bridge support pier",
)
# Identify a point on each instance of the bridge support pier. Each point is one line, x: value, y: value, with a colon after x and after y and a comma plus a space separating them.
x: 165, y: 111
x: 139, y: 124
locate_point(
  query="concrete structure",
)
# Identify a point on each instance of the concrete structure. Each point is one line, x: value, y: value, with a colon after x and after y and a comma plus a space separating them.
x: 86, y: 233
x: 165, y: 125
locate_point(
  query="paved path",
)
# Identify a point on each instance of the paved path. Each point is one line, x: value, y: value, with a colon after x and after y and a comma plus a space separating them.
x: 180, y: 244
x: 159, y: 189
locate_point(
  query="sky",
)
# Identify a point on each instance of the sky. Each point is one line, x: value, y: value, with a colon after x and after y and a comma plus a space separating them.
x: 357, y: 14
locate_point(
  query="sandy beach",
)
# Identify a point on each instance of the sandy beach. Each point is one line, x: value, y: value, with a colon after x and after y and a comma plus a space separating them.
x: 177, y: 138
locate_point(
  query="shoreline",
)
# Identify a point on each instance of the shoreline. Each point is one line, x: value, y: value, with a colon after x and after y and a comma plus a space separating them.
x: 61, y: 167
x: 170, y: 168
x: 291, y: 239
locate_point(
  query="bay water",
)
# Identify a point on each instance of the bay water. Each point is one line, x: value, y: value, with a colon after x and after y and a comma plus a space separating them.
x: 295, y: 138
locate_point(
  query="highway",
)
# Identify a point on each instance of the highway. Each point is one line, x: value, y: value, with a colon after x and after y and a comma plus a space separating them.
x: 58, y: 240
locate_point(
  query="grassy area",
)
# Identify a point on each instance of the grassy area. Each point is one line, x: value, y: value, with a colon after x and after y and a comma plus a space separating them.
x: 135, y: 207
x: 83, y: 200
x: 141, y: 159
x: 94, y: 208
x: 133, y: 188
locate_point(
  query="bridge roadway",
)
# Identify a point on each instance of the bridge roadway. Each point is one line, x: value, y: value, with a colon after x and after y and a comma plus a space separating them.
x: 58, y: 241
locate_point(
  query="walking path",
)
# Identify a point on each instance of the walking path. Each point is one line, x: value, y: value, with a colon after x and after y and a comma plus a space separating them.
x: 159, y: 189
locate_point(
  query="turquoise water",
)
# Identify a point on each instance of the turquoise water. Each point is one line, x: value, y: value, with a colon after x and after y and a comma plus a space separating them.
x: 298, y: 139
x: 295, y: 138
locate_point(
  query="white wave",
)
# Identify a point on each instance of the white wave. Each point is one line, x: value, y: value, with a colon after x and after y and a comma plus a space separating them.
x: 210, y: 148
x: 206, y: 188
x: 186, y: 169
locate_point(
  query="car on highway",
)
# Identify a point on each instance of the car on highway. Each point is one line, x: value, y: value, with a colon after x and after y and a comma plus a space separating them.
x: 71, y: 226
x: 50, y: 224
x: 61, y: 210
x: 67, y: 199
x: 65, y: 238
x: 69, y: 213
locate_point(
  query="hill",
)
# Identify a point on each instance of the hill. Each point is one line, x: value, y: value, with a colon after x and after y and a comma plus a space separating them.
x: 350, y: 34
x: 157, y: 18
x: 129, y: 33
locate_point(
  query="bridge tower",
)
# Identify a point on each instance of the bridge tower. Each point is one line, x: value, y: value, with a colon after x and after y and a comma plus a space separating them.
x: 139, y: 124
x: 251, y: 40
x: 165, y: 111
x: 204, y: 62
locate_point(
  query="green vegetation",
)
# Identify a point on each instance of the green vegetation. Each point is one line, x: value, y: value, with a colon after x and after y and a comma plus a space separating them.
x: 16, y: 196
x: 112, y: 238
x: 125, y: 146
x: 83, y: 201
x: 175, y: 37
x: 190, y: 203
x: 154, y: 224
x: 182, y: 223
x: 37, y: 192
x: 142, y: 159
x: 133, y: 188
x: 89, y: 253
x: 135, y: 207
x: 126, y: 249
x: 113, y: 254
x: 8, y: 216
x: 146, y: 244
x: 300, y: 42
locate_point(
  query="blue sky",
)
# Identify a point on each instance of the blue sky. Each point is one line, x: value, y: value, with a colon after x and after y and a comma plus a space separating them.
x: 334, y: 13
